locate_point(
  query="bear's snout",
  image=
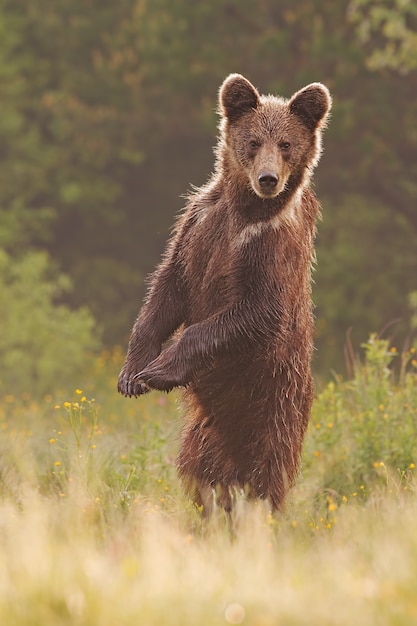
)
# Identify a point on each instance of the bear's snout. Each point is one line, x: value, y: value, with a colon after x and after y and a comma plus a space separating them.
x: 268, y: 181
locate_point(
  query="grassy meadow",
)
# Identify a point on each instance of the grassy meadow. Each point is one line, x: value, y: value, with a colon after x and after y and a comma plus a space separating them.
x: 95, y: 530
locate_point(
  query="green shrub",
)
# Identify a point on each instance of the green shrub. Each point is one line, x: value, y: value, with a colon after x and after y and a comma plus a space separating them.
x: 364, y: 430
x: 42, y: 343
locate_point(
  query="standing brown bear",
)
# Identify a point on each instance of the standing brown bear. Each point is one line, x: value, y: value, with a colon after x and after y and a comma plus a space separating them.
x: 236, y: 283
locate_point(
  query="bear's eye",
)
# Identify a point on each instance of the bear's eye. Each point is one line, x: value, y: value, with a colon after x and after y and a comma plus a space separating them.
x: 253, y: 144
x: 285, y: 145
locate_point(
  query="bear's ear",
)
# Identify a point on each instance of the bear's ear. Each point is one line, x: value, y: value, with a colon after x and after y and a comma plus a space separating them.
x: 236, y: 97
x: 311, y: 104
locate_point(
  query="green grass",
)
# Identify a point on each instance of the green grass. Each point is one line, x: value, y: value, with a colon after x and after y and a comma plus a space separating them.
x: 95, y: 530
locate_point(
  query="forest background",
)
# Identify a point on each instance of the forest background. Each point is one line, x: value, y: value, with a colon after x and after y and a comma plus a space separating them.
x: 108, y: 116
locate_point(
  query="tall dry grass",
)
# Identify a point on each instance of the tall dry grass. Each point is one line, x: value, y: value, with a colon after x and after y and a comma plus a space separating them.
x: 95, y: 530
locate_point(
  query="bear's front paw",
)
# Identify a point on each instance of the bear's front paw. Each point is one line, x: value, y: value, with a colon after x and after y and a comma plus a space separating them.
x: 164, y: 373
x: 129, y: 386
x: 156, y: 379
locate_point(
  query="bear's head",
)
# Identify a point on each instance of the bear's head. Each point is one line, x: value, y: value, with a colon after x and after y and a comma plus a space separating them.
x: 272, y: 142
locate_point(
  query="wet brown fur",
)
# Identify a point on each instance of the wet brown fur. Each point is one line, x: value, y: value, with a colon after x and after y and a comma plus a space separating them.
x: 235, y: 281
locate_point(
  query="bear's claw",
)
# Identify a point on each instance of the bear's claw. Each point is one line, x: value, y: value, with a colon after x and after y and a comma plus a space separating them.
x: 130, y: 387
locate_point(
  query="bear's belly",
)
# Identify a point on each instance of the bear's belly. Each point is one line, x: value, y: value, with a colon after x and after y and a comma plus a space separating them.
x: 245, y: 424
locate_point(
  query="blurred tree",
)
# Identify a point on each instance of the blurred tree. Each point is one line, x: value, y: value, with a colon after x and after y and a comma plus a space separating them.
x: 413, y: 307
x: 388, y: 31
x: 69, y: 148
x: 25, y: 212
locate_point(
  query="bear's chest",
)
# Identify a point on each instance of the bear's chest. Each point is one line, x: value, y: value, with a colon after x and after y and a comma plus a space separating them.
x: 224, y: 265
x: 210, y: 269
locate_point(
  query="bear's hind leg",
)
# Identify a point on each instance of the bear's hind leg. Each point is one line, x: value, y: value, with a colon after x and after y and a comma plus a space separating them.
x: 211, y: 499
x: 205, y: 500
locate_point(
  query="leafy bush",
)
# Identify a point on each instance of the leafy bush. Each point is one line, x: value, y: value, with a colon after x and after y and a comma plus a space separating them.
x: 364, y: 430
x: 42, y: 343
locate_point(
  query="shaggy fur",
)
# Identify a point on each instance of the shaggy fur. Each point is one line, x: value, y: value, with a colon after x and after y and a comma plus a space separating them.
x: 235, y: 284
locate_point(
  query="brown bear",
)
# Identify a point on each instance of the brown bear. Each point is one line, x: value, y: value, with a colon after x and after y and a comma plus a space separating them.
x: 235, y: 283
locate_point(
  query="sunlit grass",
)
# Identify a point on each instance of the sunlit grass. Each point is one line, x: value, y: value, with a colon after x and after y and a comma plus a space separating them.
x: 95, y: 529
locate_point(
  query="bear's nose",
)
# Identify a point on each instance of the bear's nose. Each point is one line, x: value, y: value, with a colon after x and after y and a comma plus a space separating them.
x: 268, y: 180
